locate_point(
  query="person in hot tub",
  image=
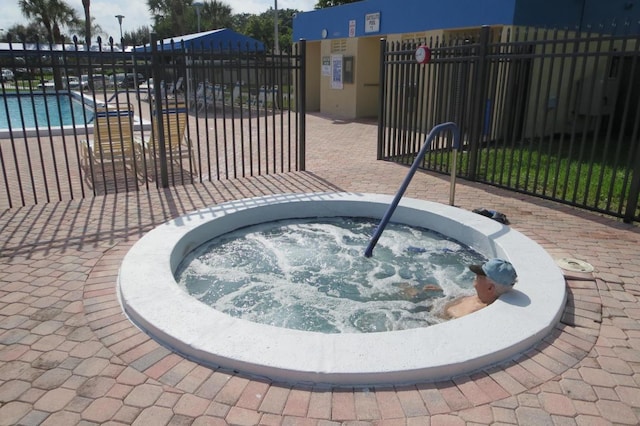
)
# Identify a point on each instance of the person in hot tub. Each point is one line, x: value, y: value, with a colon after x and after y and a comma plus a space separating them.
x: 493, y: 278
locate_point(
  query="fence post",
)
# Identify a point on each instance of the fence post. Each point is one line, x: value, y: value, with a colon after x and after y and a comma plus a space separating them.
x: 302, y: 105
x: 382, y: 106
x: 634, y: 190
x: 478, y: 101
x: 158, y: 79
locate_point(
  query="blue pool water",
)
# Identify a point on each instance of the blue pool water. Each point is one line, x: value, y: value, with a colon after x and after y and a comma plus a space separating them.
x: 41, y: 110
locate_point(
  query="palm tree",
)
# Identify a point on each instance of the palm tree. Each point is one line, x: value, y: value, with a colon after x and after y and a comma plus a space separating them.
x: 169, y: 16
x: 86, y: 4
x: 51, y: 14
x: 216, y: 15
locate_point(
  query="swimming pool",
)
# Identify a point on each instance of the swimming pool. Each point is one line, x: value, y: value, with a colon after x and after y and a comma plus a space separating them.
x: 41, y: 110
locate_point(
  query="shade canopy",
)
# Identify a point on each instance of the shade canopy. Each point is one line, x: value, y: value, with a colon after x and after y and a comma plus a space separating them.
x: 222, y: 39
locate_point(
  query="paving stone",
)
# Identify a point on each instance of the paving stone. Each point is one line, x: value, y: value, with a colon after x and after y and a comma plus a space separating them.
x: 557, y: 404
x: 61, y: 418
x: 472, y: 392
x: 366, y: 405
x: 614, y: 365
x: 153, y: 416
x: 320, y: 405
x: 597, y: 377
x: 433, y: 399
x: 96, y: 387
x: 191, y: 406
x: 412, y: 403
x: 617, y: 412
x: 13, y: 411
x: 52, y: 379
x: 242, y: 417
x: 629, y: 395
x: 533, y: 416
x: 232, y: 390
x: 12, y: 389
x: 389, y: 404
x: 54, y: 400
x: 504, y: 415
x: 480, y: 415
x: 126, y: 415
x: 143, y: 396
x: 584, y: 420
x: 577, y: 389
x: 253, y: 394
x: 275, y: 399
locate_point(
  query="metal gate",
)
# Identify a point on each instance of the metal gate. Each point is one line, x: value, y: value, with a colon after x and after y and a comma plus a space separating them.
x: 82, y: 123
x: 555, y: 114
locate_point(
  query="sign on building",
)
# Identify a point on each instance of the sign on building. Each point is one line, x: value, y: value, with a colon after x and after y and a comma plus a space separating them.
x: 372, y: 22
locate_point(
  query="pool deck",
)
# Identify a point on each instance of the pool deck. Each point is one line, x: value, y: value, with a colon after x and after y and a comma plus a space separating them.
x: 69, y: 356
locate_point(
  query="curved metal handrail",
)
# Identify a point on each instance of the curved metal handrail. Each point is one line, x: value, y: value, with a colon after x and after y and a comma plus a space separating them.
x: 405, y: 183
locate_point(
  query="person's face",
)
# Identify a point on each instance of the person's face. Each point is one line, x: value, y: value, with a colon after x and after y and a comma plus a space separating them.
x: 485, y: 289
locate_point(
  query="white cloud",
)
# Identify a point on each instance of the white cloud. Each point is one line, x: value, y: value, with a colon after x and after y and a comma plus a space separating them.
x: 136, y: 13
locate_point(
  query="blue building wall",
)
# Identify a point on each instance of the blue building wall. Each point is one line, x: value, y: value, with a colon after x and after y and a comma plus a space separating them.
x: 407, y: 16
x: 536, y: 13
x: 402, y: 16
x: 578, y: 14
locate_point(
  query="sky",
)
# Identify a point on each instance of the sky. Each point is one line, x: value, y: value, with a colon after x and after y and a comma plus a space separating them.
x: 136, y: 13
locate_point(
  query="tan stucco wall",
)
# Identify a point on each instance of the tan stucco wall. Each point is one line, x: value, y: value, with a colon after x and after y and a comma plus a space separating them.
x: 313, y: 76
x: 338, y: 102
x: 367, y: 77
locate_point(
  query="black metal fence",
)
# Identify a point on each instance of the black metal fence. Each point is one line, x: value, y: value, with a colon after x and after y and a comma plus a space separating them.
x: 76, y: 123
x: 550, y: 113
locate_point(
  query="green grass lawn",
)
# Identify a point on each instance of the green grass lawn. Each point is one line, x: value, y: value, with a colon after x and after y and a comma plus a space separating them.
x: 587, y: 176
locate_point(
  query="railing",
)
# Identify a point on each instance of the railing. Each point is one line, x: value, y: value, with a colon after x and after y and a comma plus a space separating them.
x: 551, y: 113
x: 412, y: 171
x: 254, y: 125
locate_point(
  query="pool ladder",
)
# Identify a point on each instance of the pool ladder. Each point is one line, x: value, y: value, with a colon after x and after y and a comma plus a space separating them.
x: 405, y: 183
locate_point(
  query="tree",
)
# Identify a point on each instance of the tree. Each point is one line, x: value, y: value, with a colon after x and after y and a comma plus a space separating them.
x: 52, y: 14
x: 330, y: 3
x: 137, y: 37
x: 81, y: 29
x: 30, y: 33
x: 177, y: 17
x: 261, y: 27
x: 169, y: 16
x: 86, y: 5
x: 215, y: 15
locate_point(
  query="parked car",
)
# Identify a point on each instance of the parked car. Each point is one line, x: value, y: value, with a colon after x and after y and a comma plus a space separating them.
x: 73, y: 82
x: 98, y: 81
x: 147, y: 85
x: 7, y: 75
x: 126, y: 81
x: 133, y: 80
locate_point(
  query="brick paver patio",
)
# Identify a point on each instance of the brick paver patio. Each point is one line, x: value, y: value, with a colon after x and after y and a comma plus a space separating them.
x: 69, y: 356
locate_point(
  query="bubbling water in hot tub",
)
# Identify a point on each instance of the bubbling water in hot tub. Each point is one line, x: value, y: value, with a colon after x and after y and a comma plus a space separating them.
x: 310, y: 274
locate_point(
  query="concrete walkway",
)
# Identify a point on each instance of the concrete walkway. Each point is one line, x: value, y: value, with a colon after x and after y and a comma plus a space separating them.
x: 68, y: 355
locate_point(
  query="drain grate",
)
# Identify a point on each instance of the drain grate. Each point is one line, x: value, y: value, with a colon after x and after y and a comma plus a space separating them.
x: 574, y: 265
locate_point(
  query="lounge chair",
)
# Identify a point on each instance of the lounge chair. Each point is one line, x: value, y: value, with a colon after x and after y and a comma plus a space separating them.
x: 177, y: 147
x: 112, y: 144
x: 213, y: 96
x: 198, y: 94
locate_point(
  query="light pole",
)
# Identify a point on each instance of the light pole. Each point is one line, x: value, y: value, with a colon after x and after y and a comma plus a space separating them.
x: 276, y: 43
x: 120, y: 18
x: 198, y: 6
